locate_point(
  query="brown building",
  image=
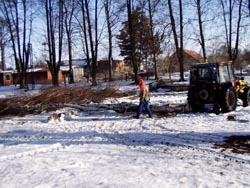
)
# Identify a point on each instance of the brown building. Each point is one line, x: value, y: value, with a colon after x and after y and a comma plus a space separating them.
x: 189, y: 57
x: 117, y: 65
x: 6, y: 78
x: 38, y: 77
x: 33, y: 77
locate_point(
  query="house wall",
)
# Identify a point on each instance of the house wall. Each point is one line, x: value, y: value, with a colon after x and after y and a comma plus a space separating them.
x: 6, y: 79
x: 174, y: 64
x: 78, y: 74
x: 39, y: 77
x: 189, y: 60
x: 117, y: 65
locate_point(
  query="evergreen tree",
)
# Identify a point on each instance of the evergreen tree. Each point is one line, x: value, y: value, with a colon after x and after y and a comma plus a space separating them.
x: 143, y: 39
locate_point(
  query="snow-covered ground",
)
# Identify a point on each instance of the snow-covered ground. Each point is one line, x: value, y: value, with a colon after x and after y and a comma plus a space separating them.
x: 111, y: 150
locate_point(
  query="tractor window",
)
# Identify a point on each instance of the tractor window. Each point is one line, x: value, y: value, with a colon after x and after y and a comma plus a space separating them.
x: 224, y: 74
x: 194, y: 75
x: 231, y: 73
x: 203, y: 73
x: 208, y: 73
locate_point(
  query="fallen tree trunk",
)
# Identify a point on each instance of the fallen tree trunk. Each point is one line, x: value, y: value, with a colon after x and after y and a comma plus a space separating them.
x: 130, y: 107
x: 122, y: 108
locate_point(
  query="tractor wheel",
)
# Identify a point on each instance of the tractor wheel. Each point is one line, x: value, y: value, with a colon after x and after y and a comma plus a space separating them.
x: 204, y: 94
x: 193, y: 101
x: 230, y: 102
x: 246, y: 97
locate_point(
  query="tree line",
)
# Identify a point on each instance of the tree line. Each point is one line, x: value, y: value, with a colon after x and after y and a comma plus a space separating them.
x: 144, y: 31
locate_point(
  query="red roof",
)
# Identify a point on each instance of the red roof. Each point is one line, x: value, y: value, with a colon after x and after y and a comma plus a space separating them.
x: 192, y: 53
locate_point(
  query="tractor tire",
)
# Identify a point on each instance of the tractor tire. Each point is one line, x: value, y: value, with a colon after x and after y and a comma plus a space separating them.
x: 204, y: 94
x: 194, y: 102
x: 246, y: 97
x: 230, y: 101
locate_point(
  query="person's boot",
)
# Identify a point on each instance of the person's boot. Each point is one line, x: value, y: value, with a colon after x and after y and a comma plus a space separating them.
x: 136, y: 117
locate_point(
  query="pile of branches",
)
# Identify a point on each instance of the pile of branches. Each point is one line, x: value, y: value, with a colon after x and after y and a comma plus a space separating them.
x: 49, y: 99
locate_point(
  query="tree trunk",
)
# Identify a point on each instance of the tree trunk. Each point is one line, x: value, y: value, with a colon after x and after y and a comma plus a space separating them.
x: 232, y: 51
x: 152, y: 38
x: 202, y: 39
x: 53, y: 65
x: 11, y: 11
x: 132, y: 40
x: 107, y: 5
x: 93, y: 53
x: 68, y: 27
x: 179, y: 49
x: 86, y: 38
x: 3, y: 55
x: 181, y: 63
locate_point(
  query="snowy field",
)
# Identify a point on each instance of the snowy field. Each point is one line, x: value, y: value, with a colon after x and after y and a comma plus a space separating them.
x: 111, y: 150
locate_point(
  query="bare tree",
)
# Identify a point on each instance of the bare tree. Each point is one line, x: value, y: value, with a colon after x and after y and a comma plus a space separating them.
x: 155, y: 50
x: 178, y: 43
x: 3, y: 41
x: 15, y: 14
x: 69, y: 8
x: 198, y: 4
x: 111, y: 18
x: 90, y: 40
x: 232, y: 32
x: 54, y: 22
x: 83, y: 29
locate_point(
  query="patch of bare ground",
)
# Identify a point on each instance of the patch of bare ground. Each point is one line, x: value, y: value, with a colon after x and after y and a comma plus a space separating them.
x: 237, y: 144
x: 49, y: 98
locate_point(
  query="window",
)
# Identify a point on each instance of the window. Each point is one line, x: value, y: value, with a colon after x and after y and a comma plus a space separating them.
x: 7, y: 77
x: 224, y: 74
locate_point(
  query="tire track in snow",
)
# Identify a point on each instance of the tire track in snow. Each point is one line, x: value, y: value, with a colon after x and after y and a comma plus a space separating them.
x: 177, y: 149
x: 163, y: 136
x: 174, y: 144
x: 135, y: 135
x: 52, y: 148
x: 55, y: 143
x: 173, y: 138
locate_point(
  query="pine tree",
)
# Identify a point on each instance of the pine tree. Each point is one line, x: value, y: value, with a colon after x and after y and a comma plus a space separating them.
x: 143, y: 39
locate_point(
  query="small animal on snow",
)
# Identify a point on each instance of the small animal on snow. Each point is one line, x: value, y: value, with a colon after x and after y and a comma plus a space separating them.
x: 56, y: 117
